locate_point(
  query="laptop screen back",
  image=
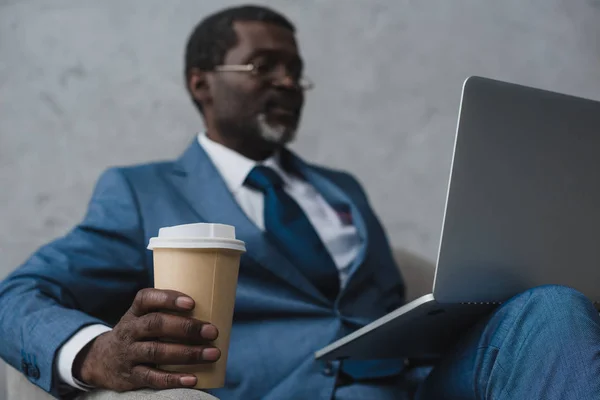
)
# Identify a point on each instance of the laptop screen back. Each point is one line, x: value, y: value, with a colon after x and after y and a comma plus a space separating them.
x: 523, y: 205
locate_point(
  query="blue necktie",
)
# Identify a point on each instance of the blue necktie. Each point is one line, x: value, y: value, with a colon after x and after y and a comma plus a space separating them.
x: 289, y: 228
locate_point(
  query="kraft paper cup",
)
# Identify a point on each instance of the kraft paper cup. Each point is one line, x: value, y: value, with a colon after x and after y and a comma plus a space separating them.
x: 202, y: 261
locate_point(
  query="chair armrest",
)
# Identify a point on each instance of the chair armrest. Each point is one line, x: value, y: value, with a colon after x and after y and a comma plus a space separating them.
x: 417, y: 273
x: 19, y: 388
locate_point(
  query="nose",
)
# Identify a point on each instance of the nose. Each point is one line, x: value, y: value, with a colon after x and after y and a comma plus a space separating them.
x: 286, y: 82
x: 284, y: 78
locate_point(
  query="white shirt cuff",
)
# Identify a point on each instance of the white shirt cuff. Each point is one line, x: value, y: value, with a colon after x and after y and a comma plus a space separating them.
x: 68, y: 351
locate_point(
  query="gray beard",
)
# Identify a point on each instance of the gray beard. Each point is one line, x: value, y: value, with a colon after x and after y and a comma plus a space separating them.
x: 279, y: 134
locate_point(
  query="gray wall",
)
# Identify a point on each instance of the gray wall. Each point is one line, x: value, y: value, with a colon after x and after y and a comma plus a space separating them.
x: 87, y: 84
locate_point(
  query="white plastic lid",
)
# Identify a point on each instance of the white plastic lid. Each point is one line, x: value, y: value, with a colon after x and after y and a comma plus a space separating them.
x: 197, y: 236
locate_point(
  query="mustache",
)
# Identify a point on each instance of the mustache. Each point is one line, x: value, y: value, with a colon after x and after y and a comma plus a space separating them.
x: 288, y: 101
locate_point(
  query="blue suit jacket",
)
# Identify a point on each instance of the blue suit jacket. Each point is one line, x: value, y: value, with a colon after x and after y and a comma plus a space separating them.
x: 91, y: 276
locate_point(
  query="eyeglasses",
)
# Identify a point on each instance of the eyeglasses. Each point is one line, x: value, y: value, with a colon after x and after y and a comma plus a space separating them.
x: 267, y: 73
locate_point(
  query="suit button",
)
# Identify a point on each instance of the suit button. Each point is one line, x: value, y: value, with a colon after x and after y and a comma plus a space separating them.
x: 328, y: 370
x: 34, y: 372
x: 24, y: 367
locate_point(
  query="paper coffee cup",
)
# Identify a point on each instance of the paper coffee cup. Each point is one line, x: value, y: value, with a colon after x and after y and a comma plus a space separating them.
x: 202, y: 261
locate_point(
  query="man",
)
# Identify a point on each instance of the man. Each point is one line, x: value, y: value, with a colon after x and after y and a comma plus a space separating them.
x: 79, y: 314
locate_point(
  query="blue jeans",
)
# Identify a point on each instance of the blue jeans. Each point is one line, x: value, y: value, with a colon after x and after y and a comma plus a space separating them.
x: 541, y: 344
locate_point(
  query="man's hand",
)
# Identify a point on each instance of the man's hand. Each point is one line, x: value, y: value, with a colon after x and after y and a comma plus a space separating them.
x: 123, y: 359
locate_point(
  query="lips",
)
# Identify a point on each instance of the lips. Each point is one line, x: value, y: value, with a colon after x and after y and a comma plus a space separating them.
x: 282, y: 111
x: 287, y: 106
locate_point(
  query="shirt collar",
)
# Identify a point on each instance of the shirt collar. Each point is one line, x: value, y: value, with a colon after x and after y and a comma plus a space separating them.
x: 234, y: 167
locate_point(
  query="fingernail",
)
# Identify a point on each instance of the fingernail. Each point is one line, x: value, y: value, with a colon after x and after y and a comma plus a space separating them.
x: 211, y: 354
x: 184, y: 302
x: 188, y: 380
x: 209, y: 332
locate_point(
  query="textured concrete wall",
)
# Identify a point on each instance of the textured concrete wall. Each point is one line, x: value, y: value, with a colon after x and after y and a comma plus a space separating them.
x: 87, y: 84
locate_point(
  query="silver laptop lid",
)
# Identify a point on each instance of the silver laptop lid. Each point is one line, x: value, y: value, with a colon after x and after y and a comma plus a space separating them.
x: 523, y: 205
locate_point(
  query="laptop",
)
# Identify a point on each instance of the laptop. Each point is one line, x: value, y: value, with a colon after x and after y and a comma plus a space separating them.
x: 522, y: 210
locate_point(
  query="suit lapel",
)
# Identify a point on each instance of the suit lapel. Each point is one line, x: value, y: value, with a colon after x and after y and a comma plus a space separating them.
x: 199, y: 182
x: 333, y: 194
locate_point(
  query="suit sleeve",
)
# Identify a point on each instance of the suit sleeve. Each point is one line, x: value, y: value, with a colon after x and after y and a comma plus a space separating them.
x: 89, y: 276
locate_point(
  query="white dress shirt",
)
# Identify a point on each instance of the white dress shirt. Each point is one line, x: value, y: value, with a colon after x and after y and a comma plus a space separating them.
x: 340, y: 238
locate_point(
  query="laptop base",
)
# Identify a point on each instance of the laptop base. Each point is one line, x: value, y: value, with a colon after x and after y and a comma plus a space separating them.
x: 423, y: 329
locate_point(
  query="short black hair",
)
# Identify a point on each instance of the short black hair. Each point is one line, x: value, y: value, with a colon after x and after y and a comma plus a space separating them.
x: 214, y: 36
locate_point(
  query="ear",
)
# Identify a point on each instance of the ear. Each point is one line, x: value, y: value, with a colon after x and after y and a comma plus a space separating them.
x: 199, y: 87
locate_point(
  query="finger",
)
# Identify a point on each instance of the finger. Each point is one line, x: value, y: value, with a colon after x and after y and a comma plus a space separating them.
x: 158, y: 379
x: 153, y: 352
x: 149, y: 300
x: 175, y: 327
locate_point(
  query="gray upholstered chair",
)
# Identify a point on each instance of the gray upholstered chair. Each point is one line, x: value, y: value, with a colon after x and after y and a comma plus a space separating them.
x: 417, y: 272
x: 18, y: 387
